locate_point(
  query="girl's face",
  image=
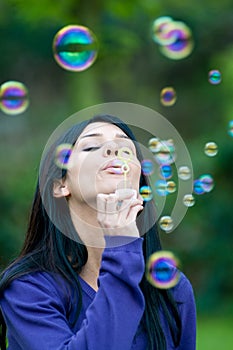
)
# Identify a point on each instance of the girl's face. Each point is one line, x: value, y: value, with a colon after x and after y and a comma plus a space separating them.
x: 102, y: 160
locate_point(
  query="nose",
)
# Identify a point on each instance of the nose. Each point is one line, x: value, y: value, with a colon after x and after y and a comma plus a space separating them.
x: 110, y: 149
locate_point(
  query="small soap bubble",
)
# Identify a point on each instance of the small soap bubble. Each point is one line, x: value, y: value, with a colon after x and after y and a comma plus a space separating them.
x: 159, y: 35
x: 166, y: 171
x: 75, y: 48
x: 13, y: 97
x: 211, y: 149
x: 189, y: 200
x: 165, y: 154
x: 161, y: 187
x: 230, y: 128
x: 147, y: 167
x: 198, y: 187
x: 182, y: 44
x: 146, y: 193
x: 184, y: 173
x: 171, y: 187
x: 62, y: 155
x: 168, y: 96
x: 166, y: 223
x: 207, y: 182
x: 154, y: 144
x: 162, y: 269
x: 214, y: 77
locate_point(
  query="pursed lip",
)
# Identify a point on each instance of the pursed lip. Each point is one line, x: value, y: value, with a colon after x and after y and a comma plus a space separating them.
x: 114, y: 166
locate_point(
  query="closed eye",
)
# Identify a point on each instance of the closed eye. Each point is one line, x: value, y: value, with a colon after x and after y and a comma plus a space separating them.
x: 89, y: 149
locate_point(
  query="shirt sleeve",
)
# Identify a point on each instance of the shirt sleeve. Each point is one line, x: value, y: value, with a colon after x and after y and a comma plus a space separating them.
x: 36, y: 314
x: 184, y: 297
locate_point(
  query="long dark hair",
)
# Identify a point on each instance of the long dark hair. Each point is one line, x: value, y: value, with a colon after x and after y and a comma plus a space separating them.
x: 46, y: 248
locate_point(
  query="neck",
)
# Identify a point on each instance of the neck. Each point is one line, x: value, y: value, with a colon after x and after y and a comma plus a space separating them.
x: 90, y: 271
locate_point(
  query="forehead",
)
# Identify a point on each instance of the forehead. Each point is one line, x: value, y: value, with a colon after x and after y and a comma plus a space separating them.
x: 102, y: 128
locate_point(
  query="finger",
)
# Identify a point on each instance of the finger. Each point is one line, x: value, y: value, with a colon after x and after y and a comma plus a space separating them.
x: 111, y: 203
x: 125, y: 193
x: 132, y: 215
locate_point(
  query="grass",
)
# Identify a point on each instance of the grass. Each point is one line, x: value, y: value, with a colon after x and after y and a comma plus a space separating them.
x: 215, y: 333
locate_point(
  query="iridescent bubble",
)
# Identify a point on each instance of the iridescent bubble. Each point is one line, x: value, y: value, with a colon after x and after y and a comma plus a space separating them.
x: 166, y: 171
x: 62, y: 155
x: 207, y: 182
x: 147, y: 167
x: 159, y: 35
x: 168, y: 96
x: 154, y: 144
x: 166, y: 223
x: 230, y: 128
x: 189, y: 200
x: 184, y: 173
x: 211, y: 149
x: 165, y: 153
x: 171, y: 187
x: 13, y: 97
x: 182, y: 46
x: 146, y: 193
x: 161, y: 187
x: 198, y: 187
x: 75, y: 48
x: 162, y: 270
x: 214, y: 77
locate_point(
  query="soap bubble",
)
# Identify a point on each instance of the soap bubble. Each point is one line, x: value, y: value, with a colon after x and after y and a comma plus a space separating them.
x: 62, y: 155
x: 158, y: 33
x: 162, y: 269
x: 165, y: 153
x: 189, y: 200
x: 198, y: 187
x: 146, y: 193
x: 182, y: 45
x: 147, y: 167
x: 166, y: 223
x: 161, y: 187
x: 154, y: 144
x: 171, y: 187
x: 211, y: 149
x: 215, y: 77
x: 75, y: 48
x: 230, y: 128
x: 168, y: 96
x: 207, y: 182
x: 166, y: 171
x: 13, y: 97
x: 184, y: 173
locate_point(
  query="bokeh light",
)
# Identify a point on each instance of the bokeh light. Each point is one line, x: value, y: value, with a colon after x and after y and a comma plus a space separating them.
x: 13, y: 97
x: 75, y: 48
x: 162, y: 270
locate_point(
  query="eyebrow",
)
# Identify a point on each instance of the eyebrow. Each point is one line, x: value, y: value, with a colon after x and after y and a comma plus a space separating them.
x: 100, y: 134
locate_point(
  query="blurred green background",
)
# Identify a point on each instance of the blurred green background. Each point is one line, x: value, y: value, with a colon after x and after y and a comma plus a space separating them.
x: 129, y: 68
